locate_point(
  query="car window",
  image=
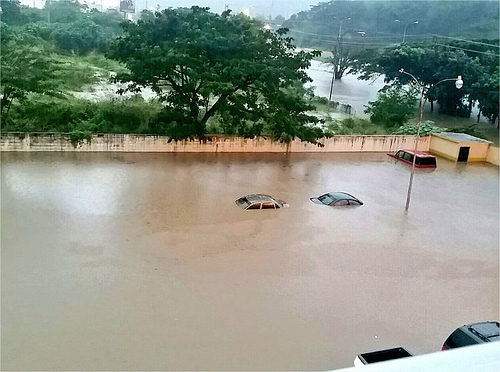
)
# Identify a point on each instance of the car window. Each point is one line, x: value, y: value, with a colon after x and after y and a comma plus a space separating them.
x: 408, y: 157
x: 426, y: 161
x: 399, y: 154
x: 354, y: 202
x: 268, y: 205
x: 255, y: 206
x: 243, y: 202
x: 459, y: 339
x: 326, y: 199
x: 341, y: 203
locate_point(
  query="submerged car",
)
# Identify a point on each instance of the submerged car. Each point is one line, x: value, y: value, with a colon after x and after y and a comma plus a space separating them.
x: 471, y: 334
x: 260, y: 201
x: 335, y: 199
x: 422, y: 160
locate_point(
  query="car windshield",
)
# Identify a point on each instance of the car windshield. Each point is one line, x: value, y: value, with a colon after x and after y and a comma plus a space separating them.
x: 326, y: 199
x: 243, y: 202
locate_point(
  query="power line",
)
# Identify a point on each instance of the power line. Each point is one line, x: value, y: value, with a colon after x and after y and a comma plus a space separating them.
x: 467, y: 41
x: 468, y: 50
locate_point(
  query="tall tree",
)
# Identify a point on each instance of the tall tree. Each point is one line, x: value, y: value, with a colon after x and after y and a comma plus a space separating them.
x: 26, y: 67
x: 10, y: 12
x: 204, y: 65
x: 429, y: 64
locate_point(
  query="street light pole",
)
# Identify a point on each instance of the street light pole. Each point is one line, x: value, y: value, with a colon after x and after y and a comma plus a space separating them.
x: 404, y: 33
x: 406, y: 26
x: 424, y: 91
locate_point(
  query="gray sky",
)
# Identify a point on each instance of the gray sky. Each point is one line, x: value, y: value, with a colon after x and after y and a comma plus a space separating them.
x: 255, y: 7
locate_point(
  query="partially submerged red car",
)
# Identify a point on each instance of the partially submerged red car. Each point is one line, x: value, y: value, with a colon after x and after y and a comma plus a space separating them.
x: 423, y: 159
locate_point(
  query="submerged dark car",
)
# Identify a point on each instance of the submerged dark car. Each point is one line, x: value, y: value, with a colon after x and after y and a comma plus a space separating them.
x: 260, y: 201
x: 471, y: 334
x: 336, y: 199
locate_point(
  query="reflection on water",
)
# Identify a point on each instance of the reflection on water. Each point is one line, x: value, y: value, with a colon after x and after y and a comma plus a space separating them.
x: 143, y: 261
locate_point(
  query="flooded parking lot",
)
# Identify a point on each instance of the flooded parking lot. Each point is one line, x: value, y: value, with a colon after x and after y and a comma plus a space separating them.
x: 144, y: 262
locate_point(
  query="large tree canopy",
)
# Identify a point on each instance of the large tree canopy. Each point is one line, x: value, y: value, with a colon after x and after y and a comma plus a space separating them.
x: 26, y: 65
x: 429, y: 64
x: 204, y: 65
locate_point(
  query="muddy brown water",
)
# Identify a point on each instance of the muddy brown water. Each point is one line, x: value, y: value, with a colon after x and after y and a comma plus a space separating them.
x: 144, y: 262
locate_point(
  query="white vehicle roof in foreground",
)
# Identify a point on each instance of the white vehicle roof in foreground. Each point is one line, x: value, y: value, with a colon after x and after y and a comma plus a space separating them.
x: 478, y: 358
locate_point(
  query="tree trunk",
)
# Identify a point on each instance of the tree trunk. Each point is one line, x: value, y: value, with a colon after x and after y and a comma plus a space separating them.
x: 479, y: 115
x: 432, y: 105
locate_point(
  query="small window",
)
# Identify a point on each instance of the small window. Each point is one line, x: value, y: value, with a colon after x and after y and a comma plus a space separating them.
x: 254, y: 206
x: 341, y: 203
x: 268, y: 205
x: 399, y: 154
x: 354, y: 202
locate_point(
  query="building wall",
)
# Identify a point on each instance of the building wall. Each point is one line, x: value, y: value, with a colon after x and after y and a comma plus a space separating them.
x: 148, y: 143
x: 493, y: 155
x: 478, y: 150
x: 444, y: 148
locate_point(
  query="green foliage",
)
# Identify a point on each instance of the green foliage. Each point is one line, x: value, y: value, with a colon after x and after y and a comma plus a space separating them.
x: 65, y: 11
x: 353, y: 126
x: 45, y: 114
x: 78, y: 136
x: 203, y: 65
x: 11, y: 12
x: 392, y: 108
x: 431, y: 65
x: 27, y: 66
x: 426, y: 128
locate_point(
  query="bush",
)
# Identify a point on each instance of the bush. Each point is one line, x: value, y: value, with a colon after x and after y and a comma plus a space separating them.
x: 426, y: 128
x: 392, y: 108
x: 353, y: 126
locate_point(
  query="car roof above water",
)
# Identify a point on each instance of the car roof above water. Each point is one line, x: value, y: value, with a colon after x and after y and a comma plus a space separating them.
x: 420, y: 154
x: 259, y: 198
x: 486, y: 330
x: 341, y: 195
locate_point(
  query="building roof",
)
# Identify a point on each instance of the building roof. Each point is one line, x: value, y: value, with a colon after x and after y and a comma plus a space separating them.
x: 460, y: 137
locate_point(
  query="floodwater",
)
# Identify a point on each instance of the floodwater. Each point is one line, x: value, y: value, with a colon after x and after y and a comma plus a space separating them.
x: 348, y: 90
x: 144, y: 262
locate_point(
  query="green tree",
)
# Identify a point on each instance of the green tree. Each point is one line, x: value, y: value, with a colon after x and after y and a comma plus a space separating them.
x: 204, y: 65
x: 26, y: 67
x: 65, y: 11
x: 429, y: 64
x: 392, y: 108
x: 11, y: 12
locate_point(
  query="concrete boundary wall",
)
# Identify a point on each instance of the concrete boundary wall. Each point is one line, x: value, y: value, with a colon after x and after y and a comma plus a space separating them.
x: 214, y: 144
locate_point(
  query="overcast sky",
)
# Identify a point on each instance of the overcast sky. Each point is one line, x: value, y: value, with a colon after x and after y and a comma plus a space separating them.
x: 255, y: 7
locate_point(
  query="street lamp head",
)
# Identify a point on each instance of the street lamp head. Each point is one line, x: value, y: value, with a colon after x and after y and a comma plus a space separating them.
x: 416, y: 22
x: 459, y: 83
x: 401, y: 69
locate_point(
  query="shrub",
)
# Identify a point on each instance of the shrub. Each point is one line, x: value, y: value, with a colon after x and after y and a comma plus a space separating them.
x: 426, y: 128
